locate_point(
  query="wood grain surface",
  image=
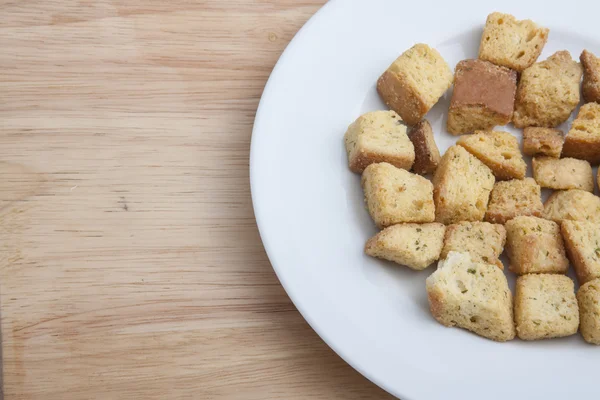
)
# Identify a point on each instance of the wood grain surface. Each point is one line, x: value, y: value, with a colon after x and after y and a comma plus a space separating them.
x: 131, y: 266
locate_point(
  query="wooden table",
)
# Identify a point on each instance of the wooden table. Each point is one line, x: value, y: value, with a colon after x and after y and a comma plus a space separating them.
x: 131, y: 263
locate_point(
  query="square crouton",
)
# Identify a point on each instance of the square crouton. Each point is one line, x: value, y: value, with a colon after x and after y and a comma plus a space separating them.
x: 462, y: 187
x: 590, y: 87
x: 583, y: 139
x: 534, y: 245
x: 483, y: 97
x: 574, y: 205
x: 378, y: 136
x: 542, y: 141
x: 427, y: 154
x: 413, y: 245
x: 472, y: 296
x: 499, y: 151
x: 588, y: 298
x: 548, y: 92
x: 510, y: 199
x: 483, y: 241
x: 545, y: 306
x: 562, y: 174
x: 415, y: 82
x: 582, y: 240
x: 395, y: 195
x: 511, y: 43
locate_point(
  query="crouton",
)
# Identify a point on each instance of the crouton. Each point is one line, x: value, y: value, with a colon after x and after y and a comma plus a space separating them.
x: 510, y: 199
x: 573, y: 204
x: 542, y: 142
x: 548, y: 92
x: 582, y: 241
x: 395, y: 195
x: 427, y: 155
x: 462, y: 187
x: 413, y: 245
x: 545, y: 306
x: 583, y: 139
x: 415, y: 82
x: 588, y: 298
x: 472, y: 296
x: 562, y: 174
x: 590, y: 87
x: 511, y: 43
x: 483, y: 97
x: 378, y: 136
x: 499, y: 151
x: 483, y: 241
x: 535, y: 245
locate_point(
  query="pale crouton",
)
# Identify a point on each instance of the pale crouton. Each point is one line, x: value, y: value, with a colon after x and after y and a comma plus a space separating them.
x: 483, y: 241
x: 588, y: 298
x: 548, y: 92
x: 473, y: 296
x: 535, y: 245
x: 510, y: 199
x: 582, y: 240
x: 542, y: 141
x: 483, y: 96
x: 512, y: 43
x: 499, y: 151
x: 395, y: 195
x: 415, y: 82
x: 427, y: 155
x: 573, y: 204
x: 590, y: 87
x: 413, y: 245
x: 562, y: 174
x: 583, y: 139
x: 378, y: 136
x: 545, y: 306
x: 462, y: 187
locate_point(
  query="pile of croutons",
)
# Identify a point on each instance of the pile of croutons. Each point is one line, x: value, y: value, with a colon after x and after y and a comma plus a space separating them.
x: 479, y: 199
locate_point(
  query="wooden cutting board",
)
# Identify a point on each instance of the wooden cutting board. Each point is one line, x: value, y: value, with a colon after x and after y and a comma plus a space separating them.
x: 131, y: 266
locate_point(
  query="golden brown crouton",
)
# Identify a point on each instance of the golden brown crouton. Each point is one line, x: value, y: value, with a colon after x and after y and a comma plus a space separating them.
x: 545, y: 306
x: 413, y: 245
x: 535, y: 245
x: 415, y: 82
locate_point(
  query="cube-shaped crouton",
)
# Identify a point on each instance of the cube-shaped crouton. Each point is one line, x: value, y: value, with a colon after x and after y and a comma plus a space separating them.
x: 542, y: 141
x: 483, y: 241
x: 413, y: 245
x: 499, y: 151
x: 548, y: 92
x: 590, y: 87
x: 378, y: 136
x: 534, y: 245
x: 427, y: 154
x: 473, y: 296
x: 583, y: 139
x: 509, y: 199
x: 582, y: 240
x: 395, y: 195
x: 462, y: 187
x: 512, y: 43
x: 415, y: 82
x: 588, y: 298
x: 483, y: 97
x: 545, y: 306
x: 563, y: 173
x: 574, y: 205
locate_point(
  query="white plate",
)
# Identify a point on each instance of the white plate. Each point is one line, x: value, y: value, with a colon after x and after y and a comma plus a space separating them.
x: 310, y: 211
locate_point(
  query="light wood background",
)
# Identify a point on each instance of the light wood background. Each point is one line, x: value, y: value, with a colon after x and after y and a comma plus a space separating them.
x: 131, y: 266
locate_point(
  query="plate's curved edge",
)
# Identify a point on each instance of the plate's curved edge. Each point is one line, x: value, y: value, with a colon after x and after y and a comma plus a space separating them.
x: 257, y: 213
